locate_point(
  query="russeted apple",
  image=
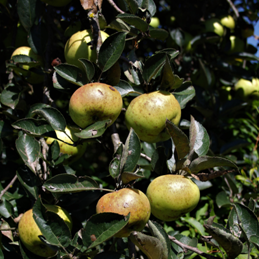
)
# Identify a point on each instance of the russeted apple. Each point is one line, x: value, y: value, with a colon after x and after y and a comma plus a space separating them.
x: 29, y: 231
x: 69, y: 137
x: 123, y: 202
x: 147, y: 115
x: 172, y: 196
x: 78, y: 46
x: 94, y: 102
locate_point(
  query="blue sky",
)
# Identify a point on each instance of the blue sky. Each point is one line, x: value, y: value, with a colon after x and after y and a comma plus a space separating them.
x: 252, y: 40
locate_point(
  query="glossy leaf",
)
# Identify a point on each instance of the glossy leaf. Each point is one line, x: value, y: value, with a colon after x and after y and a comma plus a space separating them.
x: 125, y: 89
x: 6, y: 208
x: 184, y: 94
x: 132, y: 5
x: 10, y: 96
x: 134, y: 20
x: 88, y: 68
x: 157, y: 33
x: 222, y: 199
x: 158, y: 161
x: 128, y: 177
x: 61, y: 83
x: 147, y: 5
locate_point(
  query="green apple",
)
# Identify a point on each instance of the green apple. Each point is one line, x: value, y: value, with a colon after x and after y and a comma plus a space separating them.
x: 74, y: 151
x: 123, y: 202
x: 228, y: 21
x: 247, y: 90
x: 29, y: 231
x: 214, y: 25
x: 147, y: 115
x: 154, y: 22
x: 172, y: 196
x: 237, y: 45
x: 78, y: 47
x: 30, y: 76
x: 94, y: 102
x: 57, y: 3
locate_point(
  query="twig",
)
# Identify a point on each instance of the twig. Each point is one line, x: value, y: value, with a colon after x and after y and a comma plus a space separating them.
x: 115, y: 6
x: 7, y: 187
x: 45, y: 149
x: 233, y: 7
x: 203, y: 177
x: 146, y: 157
x: 115, y: 137
x: 191, y: 248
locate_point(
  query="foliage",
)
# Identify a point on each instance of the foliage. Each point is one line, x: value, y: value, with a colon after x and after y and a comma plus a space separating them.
x: 216, y: 143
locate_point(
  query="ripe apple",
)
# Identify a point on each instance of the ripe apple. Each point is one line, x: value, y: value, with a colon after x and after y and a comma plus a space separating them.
x: 154, y: 22
x: 31, y: 76
x: 246, y: 89
x: 78, y: 47
x: 29, y: 231
x: 123, y: 202
x: 75, y: 151
x: 57, y: 3
x: 214, y: 25
x: 94, y: 102
x: 228, y: 21
x: 147, y: 115
x: 172, y: 196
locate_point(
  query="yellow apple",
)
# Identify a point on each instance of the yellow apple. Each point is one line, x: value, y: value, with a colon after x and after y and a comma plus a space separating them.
x: 78, y: 47
x: 214, y: 25
x: 247, y: 90
x: 228, y: 21
x: 57, y: 3
x: 154, y: 22
x: 94, y: 102
x: 147, y: 115
x: 75, y: 151
x: 172, y: 196
x: 123, y: 202
x: 31, y: 76
x: 29, y: 231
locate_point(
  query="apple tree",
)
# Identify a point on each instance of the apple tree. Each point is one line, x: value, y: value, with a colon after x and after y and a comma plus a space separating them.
x: 99, y: 99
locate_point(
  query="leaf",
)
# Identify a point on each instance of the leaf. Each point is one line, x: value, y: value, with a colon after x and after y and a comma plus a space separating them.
x: 158, y: 160
x: 180, y: 140
x: 111, y: 255
x: 157, y: 33
x: 33, y: 126
x: 153, y: 66
x: 68, y: 183
x: 185, y: 240
x: 150, y: 246
x: 95, y: 130
x: 199, y: 138
x: 125, y: 89
x: 10, y: 96
x: 184, y: 94
x: 147, y: 5
x: 222, y: 199
x: 131, y: 152
x: 114, y: 167
x: 233, y: 224
x: 119, y: 25
x: 29, y: 150
x: 206, y: 162
x: 149, y: 148
x: 34, y: 107
x: 132, y: 5
x: 53, y: 116
x: 61, y: 83
x: 6, y: 208
x: 111, y: 50
x: 101, y: 227
x: 255, y: 241
x: 89, y: 68
x: 128, y: 177
x: 133, y: 20
x: 195, y: 224
x: 71, y: 73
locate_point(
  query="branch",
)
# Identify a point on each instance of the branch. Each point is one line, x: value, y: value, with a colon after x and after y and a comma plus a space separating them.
x: 115, y: 137
x: 146, y: 157
x: 233, y: 7
x: 191, y: 248
x: 203, y: 177
x: 115, y: 6
x: 7, y: 187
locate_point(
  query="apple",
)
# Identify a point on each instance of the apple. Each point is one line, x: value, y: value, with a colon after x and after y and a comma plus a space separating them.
x: 237, y: 45
x: 172, y: 196
x: 214, y: 25
x: 94, y: 102
x: 31, y: 76
x: 246, y: 89
x: 147, y: 115
x: 75, y: 151
x: 154, y: 22
x: 57, y: 3
x: 78, y: 46
x: 29, y: 231
x: 123, y: 202
x: 228, y: 21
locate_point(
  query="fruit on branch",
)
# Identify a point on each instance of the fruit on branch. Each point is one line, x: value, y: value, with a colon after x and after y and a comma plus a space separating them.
x: 95, y: 102
x: 57, y: 3
x: 214, y: 25
x: 79, y: 46
x: 228, y: 21
x: 29, y: 231
x: 123, y: 202
x: 69, y: 137
x: 147, y: 115
x: 246, y: 89
x: 172, y: 196
x: 25, y: 70
x: 154, y: 22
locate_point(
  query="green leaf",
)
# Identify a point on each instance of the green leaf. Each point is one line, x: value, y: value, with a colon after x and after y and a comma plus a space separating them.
x: 29, y: 150
x: 119, y: 25
x: 95, y: 130
x: 255, y: 241
x: 53, y: 116
x: 185, y: 240
x: 134, y: 20
x: 149, y: 148
x: 67, y: 183
x: 111, y: 255
x: 71, y: 73
x: 111, y: 50
x: 196, y: 224
x: 222, y: 199
x: 35, y: 106
x: 153, y: 66
x: 156, y: 33
x: 131, y: 152
x: 114, y: 167
x: 10, y: 96
x: 6, y: 208
x: 180, y: 140
x: 147, y: 5
x: 158, y: 160
x: 199, y: 138
x: 61, y: 83
x: 125, y: 89
x: 33, y: 126
x: 206, y: 162
x: 132, y: 5
x: 128, y: 177
x: 184, y: 94
x: 88, y: 68
x: 101, y: 227
x: 233, y: 224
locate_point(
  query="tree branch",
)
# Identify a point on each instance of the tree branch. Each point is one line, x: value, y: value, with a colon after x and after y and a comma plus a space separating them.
x: 233, y: 7
x: 7, y: 187
x: 203, y: 177
x: 115, y: 6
